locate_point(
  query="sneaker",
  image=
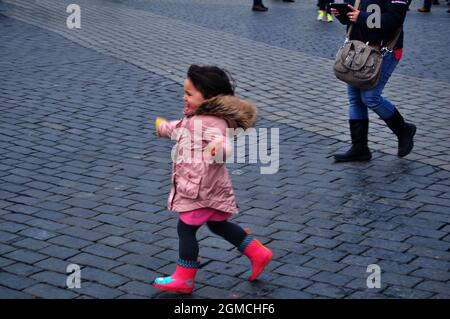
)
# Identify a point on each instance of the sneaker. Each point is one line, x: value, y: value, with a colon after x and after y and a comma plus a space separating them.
x: 321, y: 15
x: 260, y: 8
x: 329, y: 18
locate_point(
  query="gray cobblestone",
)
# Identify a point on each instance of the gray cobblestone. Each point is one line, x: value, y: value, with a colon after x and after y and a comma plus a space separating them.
x: 49, y: 292
x: 435, y: 287
x: 85, y: 259
x: 406, y: 293
x: 143, y: 260
x: 25, y: 255
x: 70, y: 242
x: 389, y: 255
x: 98, y: 291
x: 20, y: 269
x: 53, y: 264
x: 134, y: 272
x: 139, y: 288
x: 15, y: 282
x: 326, y: 290
x: 296, y: 271
x: 52, y: 278
x: 432, y: 274
x: 431, y: 263
x: 104, y: 251
x: 6, y: 293
x: 59, y: 251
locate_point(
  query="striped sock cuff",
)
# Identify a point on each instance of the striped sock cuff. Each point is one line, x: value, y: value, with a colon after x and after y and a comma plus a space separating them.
x: 188, y: 263
x: 247, y: 240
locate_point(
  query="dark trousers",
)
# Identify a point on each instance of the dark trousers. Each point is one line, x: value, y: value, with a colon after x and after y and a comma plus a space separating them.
x: 325, y: 4
x: 427, y: 4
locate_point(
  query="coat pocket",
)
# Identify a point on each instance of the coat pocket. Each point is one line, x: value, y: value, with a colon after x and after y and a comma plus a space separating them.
x: 188, y: 186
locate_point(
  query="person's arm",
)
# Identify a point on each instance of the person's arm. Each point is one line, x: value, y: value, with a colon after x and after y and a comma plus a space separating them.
x: 342, y: 19
x: 165, y: 128
x: 390, y: 20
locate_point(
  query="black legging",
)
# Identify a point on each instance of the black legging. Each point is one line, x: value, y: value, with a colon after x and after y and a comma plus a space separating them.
x: 188, y: 245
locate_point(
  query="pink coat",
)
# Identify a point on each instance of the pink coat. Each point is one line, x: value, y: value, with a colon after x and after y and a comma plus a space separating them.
x: 201, y: 184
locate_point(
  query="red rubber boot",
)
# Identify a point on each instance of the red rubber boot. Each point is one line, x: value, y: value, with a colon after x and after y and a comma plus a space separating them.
x: 259, y: 256
x: 181, y: 281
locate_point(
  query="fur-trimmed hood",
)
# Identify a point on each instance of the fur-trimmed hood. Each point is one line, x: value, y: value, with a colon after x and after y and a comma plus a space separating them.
x: 238, y: 112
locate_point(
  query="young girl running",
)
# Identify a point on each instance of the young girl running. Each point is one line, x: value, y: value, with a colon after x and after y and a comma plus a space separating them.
x: 201, y: 190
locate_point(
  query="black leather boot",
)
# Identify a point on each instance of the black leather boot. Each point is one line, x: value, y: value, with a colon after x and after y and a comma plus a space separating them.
x: 359, y: 150
x: 405, y: 133
x: 258, y: 6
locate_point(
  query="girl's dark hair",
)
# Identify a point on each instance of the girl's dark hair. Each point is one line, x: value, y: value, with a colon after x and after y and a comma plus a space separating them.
x: 211, y: 80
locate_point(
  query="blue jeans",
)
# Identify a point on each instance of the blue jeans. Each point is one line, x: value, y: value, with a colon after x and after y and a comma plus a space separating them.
x: 361, y: 100
x: 427, y: 4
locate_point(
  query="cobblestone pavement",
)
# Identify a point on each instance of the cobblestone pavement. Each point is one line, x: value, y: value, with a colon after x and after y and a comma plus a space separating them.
x: 84, y: 181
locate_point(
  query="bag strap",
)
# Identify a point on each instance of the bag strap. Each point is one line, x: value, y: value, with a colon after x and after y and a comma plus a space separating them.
x: 391, y: 44
x: 357, y: 4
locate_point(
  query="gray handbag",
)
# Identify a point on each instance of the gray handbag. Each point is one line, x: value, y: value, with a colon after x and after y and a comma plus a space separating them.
x: 359, y: 64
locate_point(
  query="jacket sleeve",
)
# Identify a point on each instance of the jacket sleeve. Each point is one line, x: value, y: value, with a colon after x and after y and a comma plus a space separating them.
x: 391, y: 19
x: 166, y: 128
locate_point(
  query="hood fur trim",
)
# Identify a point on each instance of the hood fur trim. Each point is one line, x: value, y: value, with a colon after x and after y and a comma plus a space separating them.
x: 229, y: 107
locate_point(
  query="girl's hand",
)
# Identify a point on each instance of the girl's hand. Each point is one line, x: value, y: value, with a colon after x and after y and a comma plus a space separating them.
x: 353, y: 16
x: 334, y: 12
x: 158, y: 122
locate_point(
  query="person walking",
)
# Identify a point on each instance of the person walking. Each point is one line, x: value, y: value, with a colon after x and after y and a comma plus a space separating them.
x: 393, y: 14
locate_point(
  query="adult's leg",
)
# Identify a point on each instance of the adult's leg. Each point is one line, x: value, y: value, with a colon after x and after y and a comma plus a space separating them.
x: 359, y: 129
x: 322, y: 4
x: 329, y: 2
x: 426, y: 6
x: 372, y: 98
x: 387, y: 111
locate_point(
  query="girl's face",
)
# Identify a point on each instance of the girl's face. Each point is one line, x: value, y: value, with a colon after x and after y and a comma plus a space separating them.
x: 192, y: 97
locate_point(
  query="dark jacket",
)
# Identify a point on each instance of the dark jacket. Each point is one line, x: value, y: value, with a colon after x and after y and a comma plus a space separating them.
x: 393, y: 13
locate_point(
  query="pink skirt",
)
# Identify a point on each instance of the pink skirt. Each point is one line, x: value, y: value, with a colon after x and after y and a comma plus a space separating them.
x: 200, y: 216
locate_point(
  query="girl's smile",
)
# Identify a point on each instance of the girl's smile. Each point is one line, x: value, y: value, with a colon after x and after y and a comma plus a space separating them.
x: 192, y: 97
